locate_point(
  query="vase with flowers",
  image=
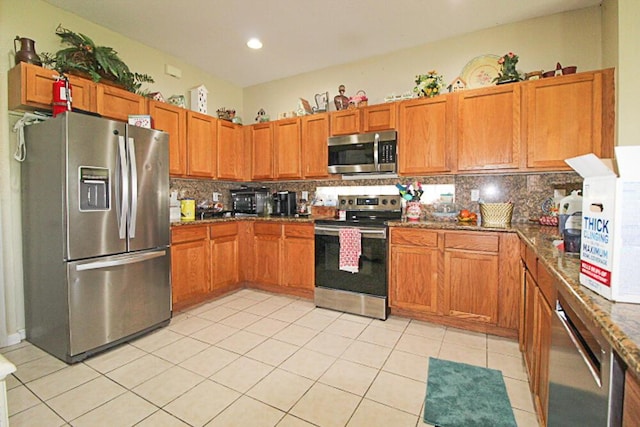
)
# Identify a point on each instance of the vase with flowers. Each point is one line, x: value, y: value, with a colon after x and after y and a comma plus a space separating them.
x: 429, y: 84
x: 508, y: 72
x: 411, y: 193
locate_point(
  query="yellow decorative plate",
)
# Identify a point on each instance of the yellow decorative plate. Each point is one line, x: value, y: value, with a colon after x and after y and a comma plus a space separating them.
x: 481, y: 71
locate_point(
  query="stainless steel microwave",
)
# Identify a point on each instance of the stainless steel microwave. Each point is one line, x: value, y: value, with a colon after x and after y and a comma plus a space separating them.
x: 364, y: 153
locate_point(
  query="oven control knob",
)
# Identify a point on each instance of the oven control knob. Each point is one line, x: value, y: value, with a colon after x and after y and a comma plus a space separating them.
x: 385, y: 201
x: 342, y: 202
x: 350, y: 202
x: 394, y: 202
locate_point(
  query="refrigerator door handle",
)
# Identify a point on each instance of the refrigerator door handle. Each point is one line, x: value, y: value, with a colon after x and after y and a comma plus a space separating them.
x: 96, y: 265
x: 124, y: 188
x: 133, y: 213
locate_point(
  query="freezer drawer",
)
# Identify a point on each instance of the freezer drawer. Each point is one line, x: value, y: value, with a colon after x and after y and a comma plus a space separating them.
x: 111, y: 298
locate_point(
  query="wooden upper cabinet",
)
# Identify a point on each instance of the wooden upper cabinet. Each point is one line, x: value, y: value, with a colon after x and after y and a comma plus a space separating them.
x: 315, y: 155
x: 379, y: 117
x: 201, y: 145
x: 426, y: 137
x: 568, y: 116
x: 118, y: 104
x: 262, y: 151
x: 345, y: 122
x: 287, y: 148
x: 31, y: 88
x: 230, y: 154
x: 488, y: 126
x: 173, y: 120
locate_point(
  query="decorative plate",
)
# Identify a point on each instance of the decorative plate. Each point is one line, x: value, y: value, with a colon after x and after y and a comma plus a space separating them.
x: 481, y: 71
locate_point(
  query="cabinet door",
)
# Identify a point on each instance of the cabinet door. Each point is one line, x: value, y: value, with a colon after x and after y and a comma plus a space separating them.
x: 224, y: 255
x: 31, y: 87
x: 262, y: 151
x: 425, y: 135
x: 631, y: 406
x: 379, y: 117
x: 530, y: 291
x: 230, y: 153
x: 298, y: 256
x: 173, y: 120
x: 315, y: 156
x: 189, y: 264
x: 288, y: 149
x: 345, y: 122
x: 543, y: 349
x: 118, y: 104
x: 471, y: 285
x: 489, y: 128
x: 201, y: 145
x: 564, y: 119
x: 413, y: 278
x: 267, y: 238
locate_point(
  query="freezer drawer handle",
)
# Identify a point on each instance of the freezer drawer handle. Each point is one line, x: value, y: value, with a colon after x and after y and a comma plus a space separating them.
x: 124, y: 261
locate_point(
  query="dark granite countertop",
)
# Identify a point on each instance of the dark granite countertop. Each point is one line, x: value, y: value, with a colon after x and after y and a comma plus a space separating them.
x: 619, y: 322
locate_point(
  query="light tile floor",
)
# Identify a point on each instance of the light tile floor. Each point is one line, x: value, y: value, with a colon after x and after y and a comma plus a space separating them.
x: 257, y: 359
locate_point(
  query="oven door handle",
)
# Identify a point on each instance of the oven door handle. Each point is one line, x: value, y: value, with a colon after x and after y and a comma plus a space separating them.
x: 367, y: 233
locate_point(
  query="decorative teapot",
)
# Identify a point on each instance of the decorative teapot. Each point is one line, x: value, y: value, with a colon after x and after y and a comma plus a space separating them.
x: 27, y: 52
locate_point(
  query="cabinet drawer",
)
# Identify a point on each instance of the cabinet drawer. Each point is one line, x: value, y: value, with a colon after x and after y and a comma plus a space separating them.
x: 226, y: 229
x: 299, y: 230
x: 472, y: 241
x: 263, y: 228
x: 547, y: 286
x: 414, y: 237
x: 188, y: 233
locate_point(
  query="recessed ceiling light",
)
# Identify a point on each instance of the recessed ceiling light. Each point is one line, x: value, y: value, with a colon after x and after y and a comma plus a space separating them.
x: 254, y: 43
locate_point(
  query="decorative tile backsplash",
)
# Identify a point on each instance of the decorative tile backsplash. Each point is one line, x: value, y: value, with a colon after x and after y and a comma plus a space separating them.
x: 526, y: 191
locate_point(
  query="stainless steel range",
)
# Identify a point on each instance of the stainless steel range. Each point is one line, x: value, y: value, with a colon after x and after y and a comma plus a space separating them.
x: 355, y: 283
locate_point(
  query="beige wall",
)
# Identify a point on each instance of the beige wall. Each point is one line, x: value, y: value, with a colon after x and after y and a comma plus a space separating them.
x: 628, y: 84
x: 572, y: 38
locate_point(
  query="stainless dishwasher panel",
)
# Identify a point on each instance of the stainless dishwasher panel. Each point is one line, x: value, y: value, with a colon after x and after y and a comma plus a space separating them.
x: 586, y: 378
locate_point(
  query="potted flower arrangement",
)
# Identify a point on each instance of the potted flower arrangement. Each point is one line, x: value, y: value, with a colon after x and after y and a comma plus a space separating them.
x: 411, y: 192
x: 508, y: 72
x: 429, y: 84
x: 83, y: 57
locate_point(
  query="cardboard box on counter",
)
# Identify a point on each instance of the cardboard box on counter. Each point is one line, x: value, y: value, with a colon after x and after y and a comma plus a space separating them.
x: 610, y: 246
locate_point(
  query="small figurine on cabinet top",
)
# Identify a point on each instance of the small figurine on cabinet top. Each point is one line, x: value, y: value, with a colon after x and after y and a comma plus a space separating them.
x: 341, y: 101
x: 322, y: 102
x: 262, y: 116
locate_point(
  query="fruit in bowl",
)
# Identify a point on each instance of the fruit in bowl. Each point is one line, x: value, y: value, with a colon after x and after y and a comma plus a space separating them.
x: 467, y: 216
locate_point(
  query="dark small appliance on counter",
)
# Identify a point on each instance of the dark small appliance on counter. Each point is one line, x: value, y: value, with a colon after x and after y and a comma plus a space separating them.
x: 250, y: 201
x: 284, y: 203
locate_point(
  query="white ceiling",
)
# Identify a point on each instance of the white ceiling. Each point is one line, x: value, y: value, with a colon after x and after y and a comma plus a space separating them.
x: 298, y: 35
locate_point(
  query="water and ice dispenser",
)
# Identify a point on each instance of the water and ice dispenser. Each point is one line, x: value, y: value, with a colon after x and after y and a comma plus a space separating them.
x: 94, y: 189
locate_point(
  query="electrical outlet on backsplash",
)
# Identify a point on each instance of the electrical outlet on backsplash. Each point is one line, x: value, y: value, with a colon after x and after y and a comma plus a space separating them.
x: 526, y: 191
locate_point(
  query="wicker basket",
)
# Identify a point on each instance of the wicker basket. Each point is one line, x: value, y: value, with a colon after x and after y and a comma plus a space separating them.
x: 496, y: 214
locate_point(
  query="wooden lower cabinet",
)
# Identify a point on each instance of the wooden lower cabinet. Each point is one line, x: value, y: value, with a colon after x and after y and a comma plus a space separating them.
x: 413, y: 270
x: 539, y: 295
x: 453, y: 278
x: 298, y: 257
x: 266, y: 251
x: 631, y: 406
x: 224, y: 249
x: 189, y: 265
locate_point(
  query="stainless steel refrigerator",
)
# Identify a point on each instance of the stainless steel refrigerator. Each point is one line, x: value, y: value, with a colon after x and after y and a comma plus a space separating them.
x: 95, y: 234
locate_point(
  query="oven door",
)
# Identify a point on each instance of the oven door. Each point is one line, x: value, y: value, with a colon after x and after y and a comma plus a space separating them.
x: 364, y: 292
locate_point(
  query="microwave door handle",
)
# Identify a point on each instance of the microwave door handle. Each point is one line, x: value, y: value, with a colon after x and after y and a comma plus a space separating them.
x: 376, y: 140
x: 133, y: 213
x: 124, y: 189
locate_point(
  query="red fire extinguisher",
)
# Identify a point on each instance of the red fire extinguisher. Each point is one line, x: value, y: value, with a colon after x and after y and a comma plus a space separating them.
x: 61, y: 95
